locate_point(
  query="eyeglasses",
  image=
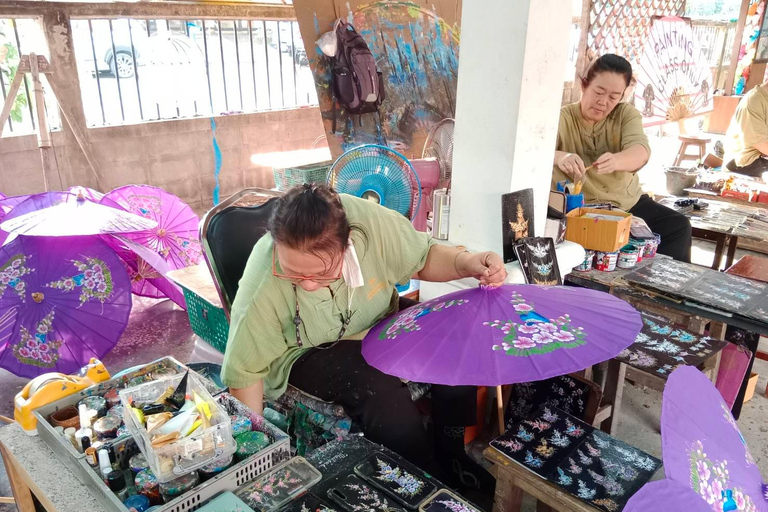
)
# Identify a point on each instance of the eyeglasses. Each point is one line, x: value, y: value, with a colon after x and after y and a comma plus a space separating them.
x: 297, y: 321
x: 296, y: 279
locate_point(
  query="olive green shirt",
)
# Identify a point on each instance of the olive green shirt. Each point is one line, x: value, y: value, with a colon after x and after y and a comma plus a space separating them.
x: 262, y: 336
x: 621, y: 129
x: 748, y: 127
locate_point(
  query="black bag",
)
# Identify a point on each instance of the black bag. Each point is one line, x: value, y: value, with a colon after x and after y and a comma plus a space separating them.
x: 357, y: 85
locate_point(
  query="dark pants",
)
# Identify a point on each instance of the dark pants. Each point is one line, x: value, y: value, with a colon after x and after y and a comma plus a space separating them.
x: 756, y: 169
x: 674, y: 227
x: 381, y: 403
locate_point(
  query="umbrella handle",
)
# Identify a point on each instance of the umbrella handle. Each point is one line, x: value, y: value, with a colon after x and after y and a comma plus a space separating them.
x: 500, y: 409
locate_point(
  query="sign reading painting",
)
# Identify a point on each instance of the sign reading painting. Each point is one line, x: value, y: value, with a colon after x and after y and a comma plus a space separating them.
x: 673, y: 82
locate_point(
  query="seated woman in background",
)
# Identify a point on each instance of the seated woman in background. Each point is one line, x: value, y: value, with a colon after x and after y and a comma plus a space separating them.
x: 746, y: 144
x: 601, y: 143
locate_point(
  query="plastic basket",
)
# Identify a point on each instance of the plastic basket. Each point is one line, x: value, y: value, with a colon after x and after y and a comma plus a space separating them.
x: 207, y: 321
x: 292, y: 176
x: 190, y: 453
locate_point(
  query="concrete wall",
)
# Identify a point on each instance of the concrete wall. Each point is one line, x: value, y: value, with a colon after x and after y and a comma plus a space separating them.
x: 175, y: 155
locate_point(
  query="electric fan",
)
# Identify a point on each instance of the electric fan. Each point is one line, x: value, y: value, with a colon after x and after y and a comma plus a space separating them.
x: 439, y: 145
x: 378, y: 174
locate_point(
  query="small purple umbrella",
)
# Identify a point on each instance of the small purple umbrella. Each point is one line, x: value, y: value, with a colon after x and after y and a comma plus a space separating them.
x: 175, y: 238
x: 63, y: 300
x: 665, y: 495
x: 491, y: 337
x: 703, y: 448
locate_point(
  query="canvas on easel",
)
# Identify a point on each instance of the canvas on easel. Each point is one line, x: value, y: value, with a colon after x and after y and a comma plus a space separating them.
x: 516, y: 220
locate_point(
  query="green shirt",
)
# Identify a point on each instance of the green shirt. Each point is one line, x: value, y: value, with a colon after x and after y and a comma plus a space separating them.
x: 621, y: 129
x: 748, y: 127
x: 262, y: 336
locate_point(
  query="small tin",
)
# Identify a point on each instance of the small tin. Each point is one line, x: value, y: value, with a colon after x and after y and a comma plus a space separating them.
x: 147, y: 485
x: 640, y: 245
x: 91, y: 457
x: 137, y: 502
x: 175, y: 488
x: 249, y: 444
x: 138, y: 463
x: 106, y: 427
x: 606, y: 261
x: 627, y: 257
x: 655, y: 247
x: 586, y: 265
x: 112, y: 397
x: 95, y: 403
x: 214, y: 468
x: 240, y: 425
x: 116, y: 410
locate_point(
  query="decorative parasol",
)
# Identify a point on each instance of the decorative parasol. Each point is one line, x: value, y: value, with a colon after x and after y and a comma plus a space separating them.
x: 666, y: 495
x: 504, y: 335
x: 703, y: 448
x: 63, y: 301
x: 175, y: 239
x: 88, y: 193
x: 66, y: 214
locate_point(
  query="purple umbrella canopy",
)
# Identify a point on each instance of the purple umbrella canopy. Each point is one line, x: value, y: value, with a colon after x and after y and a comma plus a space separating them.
x: 504, y: 335
x: 63, y: 300
x: 88, y: 193
x: 703, y: 448
x: 666, y: 495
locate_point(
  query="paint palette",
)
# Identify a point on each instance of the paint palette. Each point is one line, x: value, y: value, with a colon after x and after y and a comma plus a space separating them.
x: 580, y: 459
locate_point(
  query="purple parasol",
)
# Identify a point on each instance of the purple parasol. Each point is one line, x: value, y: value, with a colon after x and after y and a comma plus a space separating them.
x: 175, y: 238
x: 491, y: 337
x: 665, y: 495
x: 703, y: 447
x: 63, y: 300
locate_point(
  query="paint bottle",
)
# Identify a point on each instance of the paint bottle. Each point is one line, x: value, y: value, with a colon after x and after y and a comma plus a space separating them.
x: 104, y: 464
x: 116, y: 483
x: 85, y: 428
x: 92, y: 457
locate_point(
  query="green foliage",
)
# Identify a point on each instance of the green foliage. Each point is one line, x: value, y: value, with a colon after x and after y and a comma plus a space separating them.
x: 9, y: 63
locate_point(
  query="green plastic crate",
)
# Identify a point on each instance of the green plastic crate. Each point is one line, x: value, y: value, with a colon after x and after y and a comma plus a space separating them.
x: 207, y: 321
x: 292, y: 176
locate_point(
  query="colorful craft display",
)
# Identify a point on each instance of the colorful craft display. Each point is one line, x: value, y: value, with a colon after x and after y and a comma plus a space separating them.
x: 249, y: 443
x: 703, y: 448
x: 63, y: 301
x: 578, y: 458
x: 147, y: 485
x: 514, y: 333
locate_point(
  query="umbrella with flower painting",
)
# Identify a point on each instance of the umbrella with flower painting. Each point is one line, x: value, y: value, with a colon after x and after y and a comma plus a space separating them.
x: 510, y: 334
x: 666, y: 495
x: 63, y: 300
x: 703, y: 448
x: 175, y: 238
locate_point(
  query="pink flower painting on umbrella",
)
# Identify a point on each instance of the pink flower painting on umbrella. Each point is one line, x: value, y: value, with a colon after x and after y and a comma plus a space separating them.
x: 36, y: 349
x: 711, y: 478
x: 94, y: 280
x: 535, y: 334
x: 407, y: 322
x: 11, y: 274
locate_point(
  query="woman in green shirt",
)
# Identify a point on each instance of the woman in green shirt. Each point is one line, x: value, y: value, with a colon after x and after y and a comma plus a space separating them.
x: 326, y: 272
x: 601, y: 143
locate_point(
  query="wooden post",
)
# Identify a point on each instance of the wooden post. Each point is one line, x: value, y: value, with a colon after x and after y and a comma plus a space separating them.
x: 10, y: 99
x: 581, y: 55
x: 47, y: 154
x: 500, y: 408
x: 731, y: 76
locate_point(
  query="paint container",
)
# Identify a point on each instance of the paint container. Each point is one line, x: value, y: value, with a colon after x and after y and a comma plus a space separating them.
x: 69, y: 433
x: 640, y: 245
x: 147, y: 485
x: 240, y: 425
x: 59, y: 430
x: 94, y: 403
x: 573, y: 201
x: 92, y: 457
x: 606, y: 261
x: 116, y: 410
x: 655, y: 246
x: 107, y: 426
x: 586, y: 265
x: 137, y: 502
x: 249, y: 444
x: 627, y: 257
x: 175, y: 488
x: 138, y: 463
x: 214, y: 468
x: 112, y: 397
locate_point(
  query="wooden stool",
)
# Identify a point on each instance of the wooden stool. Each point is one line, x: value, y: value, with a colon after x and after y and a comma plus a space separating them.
x: 691, y: 140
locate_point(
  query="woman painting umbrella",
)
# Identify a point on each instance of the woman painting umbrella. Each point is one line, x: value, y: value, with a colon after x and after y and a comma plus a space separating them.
x: 600, y: 142
x: 313, y: 286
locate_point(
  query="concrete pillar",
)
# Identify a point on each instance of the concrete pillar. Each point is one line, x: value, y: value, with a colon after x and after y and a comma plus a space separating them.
x: 511, y: 76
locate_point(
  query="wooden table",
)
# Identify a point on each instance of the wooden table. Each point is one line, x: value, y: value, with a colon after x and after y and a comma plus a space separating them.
x: 513, y: 481
x: 198, y: 280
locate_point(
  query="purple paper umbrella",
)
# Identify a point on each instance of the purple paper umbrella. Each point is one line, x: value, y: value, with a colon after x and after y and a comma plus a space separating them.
x: 63, y: 300
x: 88, y: 193
x: 175, y: 238
x: 702, y: 446
x: 491, y: 337
x: 666, y: 495
x: 66, y: 214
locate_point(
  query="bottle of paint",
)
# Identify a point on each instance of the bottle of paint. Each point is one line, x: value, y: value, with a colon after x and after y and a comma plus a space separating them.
x: 116, y: 483
x: 104, y: 464
x: 85, y: 428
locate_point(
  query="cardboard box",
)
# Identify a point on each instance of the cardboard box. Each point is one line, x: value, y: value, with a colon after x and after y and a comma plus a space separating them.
x: 751, y: 384
x: 598, y: 234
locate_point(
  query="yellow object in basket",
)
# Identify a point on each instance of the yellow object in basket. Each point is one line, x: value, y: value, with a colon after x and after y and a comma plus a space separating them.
x: 202, y: 406
x: 50, y: 387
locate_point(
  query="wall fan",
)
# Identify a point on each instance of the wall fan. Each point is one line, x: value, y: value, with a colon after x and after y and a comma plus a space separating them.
x: 439, y: 145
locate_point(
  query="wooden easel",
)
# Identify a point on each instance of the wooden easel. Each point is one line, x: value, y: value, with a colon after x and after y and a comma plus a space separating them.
x: 34, y: 65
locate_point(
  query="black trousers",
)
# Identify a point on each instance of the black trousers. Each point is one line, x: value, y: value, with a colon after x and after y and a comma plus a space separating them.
x: 381, y: 403
x: 757, y: 169
x: 674, y: 227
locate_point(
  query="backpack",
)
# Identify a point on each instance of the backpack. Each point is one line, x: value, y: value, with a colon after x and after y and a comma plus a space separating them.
x: 356, y: 84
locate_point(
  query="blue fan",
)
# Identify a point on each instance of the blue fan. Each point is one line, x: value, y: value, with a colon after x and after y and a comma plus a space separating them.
x: 379, y: 174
